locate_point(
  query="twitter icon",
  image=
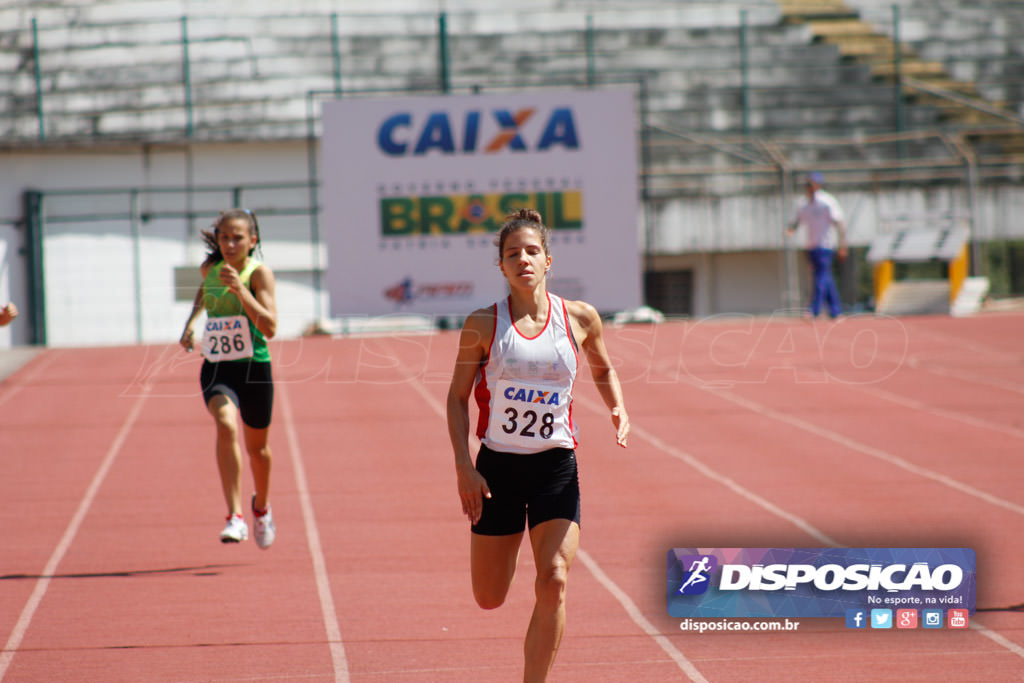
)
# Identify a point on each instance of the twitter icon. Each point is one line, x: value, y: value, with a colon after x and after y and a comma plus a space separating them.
x: 881, y: 618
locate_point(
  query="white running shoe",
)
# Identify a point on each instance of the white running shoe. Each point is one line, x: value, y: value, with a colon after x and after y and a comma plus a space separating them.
x: 263, y: 527
x: 235, y: 531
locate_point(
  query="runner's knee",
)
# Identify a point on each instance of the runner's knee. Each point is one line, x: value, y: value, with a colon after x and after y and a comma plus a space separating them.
x: 551, y: 584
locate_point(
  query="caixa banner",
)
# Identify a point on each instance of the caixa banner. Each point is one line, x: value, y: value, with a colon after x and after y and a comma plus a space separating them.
x: 816, y: 582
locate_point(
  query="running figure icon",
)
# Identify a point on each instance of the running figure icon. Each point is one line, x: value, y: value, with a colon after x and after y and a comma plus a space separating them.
x: 698, y: 573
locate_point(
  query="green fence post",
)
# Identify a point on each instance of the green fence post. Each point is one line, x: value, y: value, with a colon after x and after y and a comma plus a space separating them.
x: 136, y: 262
x: 32, y: 205
x: 897, y: 70
x: 442, y: 49
x: 588, y: 41
x: 314, y: 201
x: 39, y: 80
x: 336, y: 53
x: 744, y: 77
x: 645, y: 189
x: 186, y: 78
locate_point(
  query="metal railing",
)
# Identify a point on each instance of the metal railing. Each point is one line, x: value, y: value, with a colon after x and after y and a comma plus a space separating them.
x: 733, y: 71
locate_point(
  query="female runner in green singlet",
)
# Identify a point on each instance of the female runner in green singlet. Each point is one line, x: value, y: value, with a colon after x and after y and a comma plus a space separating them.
x: 238, y: 296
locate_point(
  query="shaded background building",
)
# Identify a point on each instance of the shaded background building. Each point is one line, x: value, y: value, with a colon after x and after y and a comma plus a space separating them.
x: 125, y: 126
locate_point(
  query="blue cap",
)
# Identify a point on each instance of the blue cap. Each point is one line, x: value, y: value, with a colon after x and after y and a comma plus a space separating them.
x: 816, y: 178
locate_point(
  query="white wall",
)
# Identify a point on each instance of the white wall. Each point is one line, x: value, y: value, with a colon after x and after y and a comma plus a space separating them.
x: 732, y: 244
x: 90, y: 273
x: 733, y: 282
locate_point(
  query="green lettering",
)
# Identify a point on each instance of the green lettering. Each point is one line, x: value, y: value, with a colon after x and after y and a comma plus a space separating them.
x: 396, y: 216
x: 436, y: 212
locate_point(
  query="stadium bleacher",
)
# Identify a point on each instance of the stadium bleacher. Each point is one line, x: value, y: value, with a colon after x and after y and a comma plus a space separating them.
x: 738, y: 98
x: 114, y: 69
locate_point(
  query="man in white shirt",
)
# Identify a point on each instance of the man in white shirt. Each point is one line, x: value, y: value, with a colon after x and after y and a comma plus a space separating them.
x: 819, y: 212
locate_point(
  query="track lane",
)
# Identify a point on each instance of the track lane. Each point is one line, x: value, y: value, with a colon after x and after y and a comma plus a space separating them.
x: 395, y: 544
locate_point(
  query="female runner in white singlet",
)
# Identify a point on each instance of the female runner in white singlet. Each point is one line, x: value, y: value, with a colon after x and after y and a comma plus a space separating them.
x: 519, y: 359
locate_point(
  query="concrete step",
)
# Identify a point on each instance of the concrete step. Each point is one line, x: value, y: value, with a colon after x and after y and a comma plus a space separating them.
x: 971, y: 296
x: 915, y: 297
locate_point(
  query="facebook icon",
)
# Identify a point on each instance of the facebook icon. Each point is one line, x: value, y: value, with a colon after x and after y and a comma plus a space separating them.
x: 856, y: 618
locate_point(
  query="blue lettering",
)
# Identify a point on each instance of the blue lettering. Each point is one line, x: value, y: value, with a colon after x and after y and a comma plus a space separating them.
x: 560, y: 130
x: 396, y: 132
x: 217, y: 325
x: 532, y: 396
x: 469, y: 135
x: 385, y: 136
x: 436, y: 133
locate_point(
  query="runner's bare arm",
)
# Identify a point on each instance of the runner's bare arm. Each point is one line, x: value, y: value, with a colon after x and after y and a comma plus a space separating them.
x: 590, y: 335
x: 188, y: 336
x: 474, y: 343
x: 258, y: 300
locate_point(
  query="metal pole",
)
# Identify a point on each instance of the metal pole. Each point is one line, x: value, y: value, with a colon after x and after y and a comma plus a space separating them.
x: 645, y: 190
x: 314, y: 209
x: 744, y: 82
x: 34, y: 236
x: 792, y: 272
x: 897, y: 74
x: 972, y: 200
x: 136, y: 263
x: 187, y: 78
x: 39, y: 80
x: 588, y: 41
x: 336, y: 52
x: 971, y: 165
x: 442, y: 29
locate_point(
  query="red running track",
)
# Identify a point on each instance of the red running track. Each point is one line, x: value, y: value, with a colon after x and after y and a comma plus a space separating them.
x: 748, y: 432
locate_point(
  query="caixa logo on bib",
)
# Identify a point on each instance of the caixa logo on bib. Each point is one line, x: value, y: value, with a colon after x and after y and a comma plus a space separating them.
x: 816, y: 582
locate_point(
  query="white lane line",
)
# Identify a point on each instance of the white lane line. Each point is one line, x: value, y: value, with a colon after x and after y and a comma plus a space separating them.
x: 323, y: 586
x: 711, y: 474
x: 871, y: 451
x: 758, y: 408
x: 602, y: 578
x: 11, y: 389
x: 639, y: 619
x: 774, y: 509
x: 852, y: 444
x: 998, y: 639
x: 964, y: 375
x: 914, y: 404
x: 43, y: 583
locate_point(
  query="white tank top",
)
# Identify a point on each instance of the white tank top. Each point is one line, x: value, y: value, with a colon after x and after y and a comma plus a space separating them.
x: 524, y: 390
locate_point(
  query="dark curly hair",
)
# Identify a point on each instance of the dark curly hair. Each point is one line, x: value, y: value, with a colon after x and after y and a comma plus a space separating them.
x: 213, y: 254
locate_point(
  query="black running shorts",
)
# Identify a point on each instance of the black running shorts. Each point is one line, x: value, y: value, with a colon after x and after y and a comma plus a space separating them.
x: 247, y: 384
x: 534, y: 487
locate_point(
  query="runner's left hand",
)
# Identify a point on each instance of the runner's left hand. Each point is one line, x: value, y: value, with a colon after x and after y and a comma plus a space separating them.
x: 621, y: 421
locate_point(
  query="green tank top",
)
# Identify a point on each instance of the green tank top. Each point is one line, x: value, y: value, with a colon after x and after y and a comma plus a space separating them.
x: 219, y: 301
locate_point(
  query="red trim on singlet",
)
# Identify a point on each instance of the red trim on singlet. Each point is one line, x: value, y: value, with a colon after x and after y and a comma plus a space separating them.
x: 482, y: 392
x: 546, y: 322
